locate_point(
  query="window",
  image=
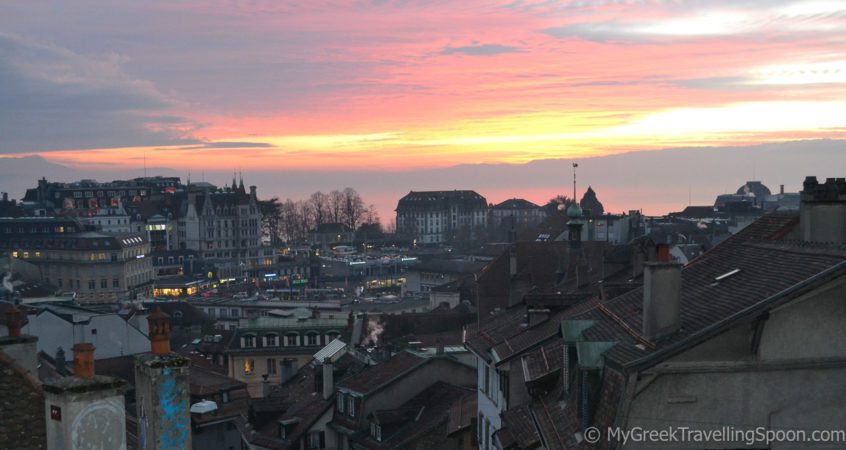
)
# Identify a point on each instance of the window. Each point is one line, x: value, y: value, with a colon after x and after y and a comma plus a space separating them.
x: 104, y: 283
x: 376, y: 431
x: 271, y: 340
x: 235, y: 313
x: 351, y: 404
x: 249, y: 366
x: 290, y: 340
x: 312, y: 339
x: 271, y: 366
x: 248, y: 341
x: 92, y: 284
x: 116, y: 283
x: 316, y: 439
x: 224, y: 397
x: 340, y: 402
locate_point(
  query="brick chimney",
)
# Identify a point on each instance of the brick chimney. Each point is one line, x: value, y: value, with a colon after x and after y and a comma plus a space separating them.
x: 83, y: 360
x: 662, y: 284
x: 159, y: 332
x: 14, y: 322
x: 21, y: 347
x: 822, y: 213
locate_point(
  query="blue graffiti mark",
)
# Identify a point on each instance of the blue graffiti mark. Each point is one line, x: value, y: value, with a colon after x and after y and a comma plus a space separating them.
x: 174, y: 422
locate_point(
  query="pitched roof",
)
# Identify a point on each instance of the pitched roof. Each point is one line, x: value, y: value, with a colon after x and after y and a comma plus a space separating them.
x: 421, y: 415
x: 382, y: 374
x: 768, y: 268
x: 516, y: 203
x: 22, y: 408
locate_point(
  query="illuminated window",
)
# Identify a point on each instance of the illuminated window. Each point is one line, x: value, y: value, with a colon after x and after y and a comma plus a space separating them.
x: 249, y: 366
x: 101, y: 256
x: 14, y: 254
x: 26, y: 255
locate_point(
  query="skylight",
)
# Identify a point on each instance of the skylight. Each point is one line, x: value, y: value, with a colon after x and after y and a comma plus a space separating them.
x: 727, y: 275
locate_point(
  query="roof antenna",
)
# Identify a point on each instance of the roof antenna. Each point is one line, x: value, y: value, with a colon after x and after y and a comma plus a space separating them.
x: 575, y: 165
x: 145, y: 162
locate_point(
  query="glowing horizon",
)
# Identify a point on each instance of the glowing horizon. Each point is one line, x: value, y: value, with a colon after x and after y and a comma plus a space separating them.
x: 395, y: 86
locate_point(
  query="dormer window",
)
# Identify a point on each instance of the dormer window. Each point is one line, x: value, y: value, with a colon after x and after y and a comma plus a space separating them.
x: 248, y: 341
x: 271, y: 340
x: 376, y: 431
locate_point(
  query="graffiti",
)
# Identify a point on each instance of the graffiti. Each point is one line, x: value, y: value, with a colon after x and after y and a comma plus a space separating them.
x: 100, y: 426
x: 173, y: 401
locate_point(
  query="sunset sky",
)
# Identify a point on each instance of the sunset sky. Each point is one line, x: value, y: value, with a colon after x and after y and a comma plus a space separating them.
x: 399, y: 85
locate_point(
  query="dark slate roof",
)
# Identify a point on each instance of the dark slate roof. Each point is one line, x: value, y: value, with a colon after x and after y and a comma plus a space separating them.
x: 382, y: 374
x: 21, y: 408
x: 518, y: 428
x: 516, y: 203
x: 450, y: 266
x: 545, y: 360
x: 441, y: 200
x: 297, y: 399
x: 696, y: 212
x: 462, y: 413
x: 431, y: 406
x: 768, y: 267
x: 204, y: 382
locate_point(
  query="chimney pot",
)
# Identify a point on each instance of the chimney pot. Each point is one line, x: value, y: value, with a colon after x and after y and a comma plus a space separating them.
x: 159, y: 332
x: 60, y: 361
x: 83, y: 360
x: 14, y: 321
x: 663, y: 253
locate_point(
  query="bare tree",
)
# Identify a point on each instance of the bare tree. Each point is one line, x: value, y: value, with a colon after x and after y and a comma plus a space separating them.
x: 336, y: 206
x: 319, y: 207
x: 353, y: 208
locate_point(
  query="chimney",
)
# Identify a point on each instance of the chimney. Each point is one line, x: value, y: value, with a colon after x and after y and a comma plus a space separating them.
x: 83, y: 360
x: 822, y: 212
x: 159, y: 332
x: 662, y: 284
x: 14, y: 322
x: 265, y: 386
x: 328, y: 379
x: 61, y: 365
x: 663, y: 253
x: 781, y: 190
x: 439, y: 347
x: 20, y: 347
x: 162, y: 390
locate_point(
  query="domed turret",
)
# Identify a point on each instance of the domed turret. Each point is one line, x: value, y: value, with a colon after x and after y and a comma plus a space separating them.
x: 574, y: 211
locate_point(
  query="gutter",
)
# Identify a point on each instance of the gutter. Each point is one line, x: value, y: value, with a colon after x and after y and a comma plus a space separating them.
x: 703, y: 334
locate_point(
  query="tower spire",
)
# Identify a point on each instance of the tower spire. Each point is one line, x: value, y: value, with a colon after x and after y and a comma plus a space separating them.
x: 575, y: 165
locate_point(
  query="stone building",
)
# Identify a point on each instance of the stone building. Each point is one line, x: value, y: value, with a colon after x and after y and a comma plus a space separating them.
x: 516, y: 214
x: 434, y: 217
x: 274, y: 348
x: 99, y: 267
x: 223, y: 224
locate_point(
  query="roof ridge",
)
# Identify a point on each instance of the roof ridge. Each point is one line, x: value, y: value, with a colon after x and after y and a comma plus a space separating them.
x: 626, y: 327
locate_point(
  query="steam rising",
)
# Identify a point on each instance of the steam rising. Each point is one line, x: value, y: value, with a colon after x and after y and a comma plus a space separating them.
x: 7, y: 283
x: 374, y: 330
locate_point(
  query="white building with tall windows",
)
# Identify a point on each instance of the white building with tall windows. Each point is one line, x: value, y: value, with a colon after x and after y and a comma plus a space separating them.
x: 435, y: 217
